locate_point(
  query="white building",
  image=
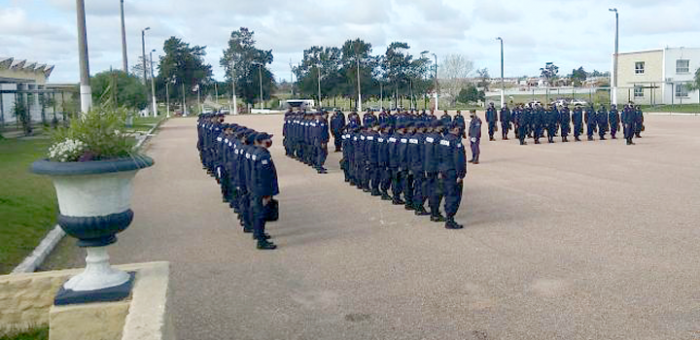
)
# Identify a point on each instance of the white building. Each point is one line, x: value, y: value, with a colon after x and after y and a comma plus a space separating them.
x: 659, y: 76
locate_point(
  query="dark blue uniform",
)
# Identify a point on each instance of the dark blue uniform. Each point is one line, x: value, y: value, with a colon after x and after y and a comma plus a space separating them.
x: 453, y: 168
x: 591, y: 121
x: 337, y: 125
x: 505, y: 122
x: 577, y: 119
x: 491, y: 119
x: 263, y: 187
x: 614, y: 121
x: 602, y: 119
x: 565, y: 121
x: 475, y: 138
x: 431, y: 164
x: 416, y: 150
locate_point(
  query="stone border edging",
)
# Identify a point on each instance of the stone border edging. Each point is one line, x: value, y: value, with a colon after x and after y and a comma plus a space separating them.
x: 46, y: 246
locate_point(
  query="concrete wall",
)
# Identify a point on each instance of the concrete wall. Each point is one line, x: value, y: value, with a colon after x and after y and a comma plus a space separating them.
x: 26, y: 301
x: 34, y: 77
x: 628, y: 78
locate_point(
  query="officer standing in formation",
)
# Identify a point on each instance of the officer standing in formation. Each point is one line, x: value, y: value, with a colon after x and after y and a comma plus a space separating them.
x: 404, y: 157
x: 306, y: 137
x: 337, y: 124
x: 474, y: 136
x: 533, y: 121
x: 239, y: 159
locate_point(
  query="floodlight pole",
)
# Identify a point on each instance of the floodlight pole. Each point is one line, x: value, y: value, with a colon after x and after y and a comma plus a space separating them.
x: 125, y: 59
x: 153, y: 86
x: 617, y: 34
x: 437, y: 85
x: 85, y: 91
x: 503, y: 88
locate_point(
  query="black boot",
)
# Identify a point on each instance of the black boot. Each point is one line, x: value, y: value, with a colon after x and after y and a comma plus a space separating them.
x: 266, y: 245
x: 435, y: 216
x: 376, y: 193
x: 451, y: 224
x: 265, y: 236
x: 385, y: 196
x: 408, y: 206
x: 398, y: 201
x: 420, y: 211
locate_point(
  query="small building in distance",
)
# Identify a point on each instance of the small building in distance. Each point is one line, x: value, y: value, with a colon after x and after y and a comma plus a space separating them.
x: 27, y: 81
x: 658, y: 77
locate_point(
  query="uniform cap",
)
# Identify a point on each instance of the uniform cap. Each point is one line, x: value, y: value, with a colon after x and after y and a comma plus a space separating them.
x: 262, y: 136
x: 250, y: 138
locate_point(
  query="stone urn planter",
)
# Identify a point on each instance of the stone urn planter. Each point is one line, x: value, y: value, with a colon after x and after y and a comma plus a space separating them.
x: 94, y: 200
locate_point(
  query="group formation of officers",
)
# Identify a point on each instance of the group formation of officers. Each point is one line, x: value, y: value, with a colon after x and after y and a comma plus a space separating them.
x: 533, y: 120
x: 239, y: 159
x: 416, y: 157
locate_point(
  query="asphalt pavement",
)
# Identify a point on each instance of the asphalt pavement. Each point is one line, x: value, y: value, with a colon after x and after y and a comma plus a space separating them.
x: 589, y: 240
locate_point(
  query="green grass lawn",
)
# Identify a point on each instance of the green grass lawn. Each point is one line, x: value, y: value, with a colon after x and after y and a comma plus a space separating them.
x: 37, y: 334
x: 28, y: 206
x: 145, y: 123
x: 685, y: 108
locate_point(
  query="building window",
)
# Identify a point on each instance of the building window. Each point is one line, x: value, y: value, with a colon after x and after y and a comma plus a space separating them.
x: 682, y: 66
x: 639, y: 67
x: 681, y: 91
x: 638, y: 92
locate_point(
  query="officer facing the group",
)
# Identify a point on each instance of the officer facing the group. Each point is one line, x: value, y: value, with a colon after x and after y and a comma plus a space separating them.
x: 577, y: 119
x: 591, y: 121
x: 628, y: 123
x: 505, y: 121
x: 565, y: 121
x: 602, y: 119
x: 614, y: 120
x: 337, y: 125
x: 474, y: 136
x: 491, y: 119
x: 453, y: 169
x: 445, y: 118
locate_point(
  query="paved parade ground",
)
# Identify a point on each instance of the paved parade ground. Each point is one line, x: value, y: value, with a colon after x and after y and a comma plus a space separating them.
x: 589, y: 240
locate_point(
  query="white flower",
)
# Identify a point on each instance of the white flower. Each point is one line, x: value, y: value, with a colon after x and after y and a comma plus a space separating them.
x: 69, y: 150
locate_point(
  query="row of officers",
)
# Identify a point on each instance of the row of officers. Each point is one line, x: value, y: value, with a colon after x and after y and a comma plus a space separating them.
x: 533, y: 120
x: 414, y: 159
x: 239, y: 159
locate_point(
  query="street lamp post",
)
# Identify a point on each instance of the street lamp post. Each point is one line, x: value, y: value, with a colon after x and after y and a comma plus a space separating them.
x: 260, y: 65
x: 359, y: 89
x: 319, y: 87
x: 125, y: 59
x: 437, y: 84
x: 234, y: 111
x: 85, y: 91
x: 503, y: 88
x: 167, y: 98
x: 153, y: 86
x: 617, y: 33
x: 143, y: 51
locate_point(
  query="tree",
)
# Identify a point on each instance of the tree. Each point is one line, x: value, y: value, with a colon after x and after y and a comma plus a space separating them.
x: 471, y: 94
x: 356, y: 55
x: 549, y: 72
x: 21, y: 112
x: 695, y: 85
x: 453, y: 73
x: 319, y: 62
x: 578, y: 76
x: 484, y: 78
x: 128, y: 90
x: 245, y: 63
x: 182, y: 65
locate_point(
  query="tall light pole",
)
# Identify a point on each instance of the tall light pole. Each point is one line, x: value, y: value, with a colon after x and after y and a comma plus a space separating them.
x: 503, y: 87
x: 437, y: 85
x: 167, y: 98
x: 143, y: 51
x: 125, y: 59
x: 359, y: 89
x: 617, y: 34
x: 234, y: 111
x: 153, y: 85
x: 85, y: 91
x: 260, y: 65
x: 319, y: 86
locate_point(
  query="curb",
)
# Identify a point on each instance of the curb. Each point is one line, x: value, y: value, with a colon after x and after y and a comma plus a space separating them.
x: 46, y: 246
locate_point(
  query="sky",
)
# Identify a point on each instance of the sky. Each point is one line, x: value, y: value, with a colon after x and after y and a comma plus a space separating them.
x: 570, y: 33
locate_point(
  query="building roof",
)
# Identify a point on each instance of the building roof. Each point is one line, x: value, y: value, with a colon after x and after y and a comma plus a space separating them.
x: 640, y: 52
x: 17, y: 65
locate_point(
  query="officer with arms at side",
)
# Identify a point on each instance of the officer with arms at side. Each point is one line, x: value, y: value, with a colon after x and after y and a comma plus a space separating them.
x: 474, y: 136
x: 264, y: 187
x: 491, y: 119
x: 453, y: 169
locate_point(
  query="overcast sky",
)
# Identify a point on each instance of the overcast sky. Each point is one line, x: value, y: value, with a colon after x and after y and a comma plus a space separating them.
x: 570, y: 33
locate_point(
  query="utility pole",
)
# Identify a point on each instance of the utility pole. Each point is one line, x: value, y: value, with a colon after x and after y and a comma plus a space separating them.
x: 167, y: 98
x: 124, y: 55
x: 503, y: 87
x: 617, y: 33
x: 359, y: 89
x: 233, y: 85
x: 437, y: 84
x: 143, y: 51
x: 153, y: 86
x: 261, y: 91
x: 184, y: 100
x: 85, y: 91
x: 216, y: 91
x: 320, y: 104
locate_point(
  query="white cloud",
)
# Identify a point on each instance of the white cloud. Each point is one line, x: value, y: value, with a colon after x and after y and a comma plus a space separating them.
x: 576, y: 33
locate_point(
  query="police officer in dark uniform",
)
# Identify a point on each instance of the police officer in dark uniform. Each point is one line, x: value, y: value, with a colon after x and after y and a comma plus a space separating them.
x: 264, y: 187
x: 405, y: 166
x: 416, y: 151
x: 591, y: 121
x: 614, y: 120
x: 552, y: 122
x: 372, y: 151
x: 453, y: 169
x: 515, y: 118
x: 638, y: 121
x: 538, y: 122
x: 394, y: 165
x: 383, y: 160
x: 491, y: 119
x: 475, y: 136
x: 459, y: 120
x: 320, y: 142
x: 628, y: 122
x: 602, y: 118
x: 431, y: 164
x: 369, y: 119
x: 523, y: 123
x: 445, y: 118
x: 505, y: 121
x: 337, y: 125
x: 565, y: 121
x: 577, y: 119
